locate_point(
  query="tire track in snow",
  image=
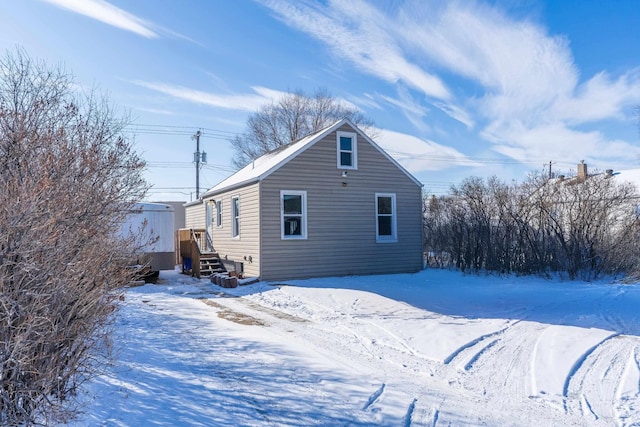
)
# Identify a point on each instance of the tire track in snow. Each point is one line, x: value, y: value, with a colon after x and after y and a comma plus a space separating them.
x: 243, y: 311
x: 409, y: 416
x: 436, y: 415
x: 500, y: 364
x: 593, y: 386
x: 479, y: 354
x: 374, y: 397
x: 584, y: 403
x: 360, y: 341
x: 628, y: 393
x: 412, y: 351
x: 581, y: 360
x: 358, y: 320
x: 271, y: 311
x: 468, y: 346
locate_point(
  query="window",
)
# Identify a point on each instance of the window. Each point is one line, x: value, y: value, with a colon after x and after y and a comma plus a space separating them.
x: 386, y: 218
x: 235, y: 216
x: 347, y: 150
x: 293, y: 213
x: 209, y: 214
x: 218, y: 213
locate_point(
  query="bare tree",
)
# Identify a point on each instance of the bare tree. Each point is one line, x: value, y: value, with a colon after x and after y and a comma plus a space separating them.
x: 593, y: 224
x: 581, y: 228
x: 68, y: 178
x: 289, y: 119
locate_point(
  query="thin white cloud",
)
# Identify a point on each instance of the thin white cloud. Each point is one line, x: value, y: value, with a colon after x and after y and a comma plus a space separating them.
x: 366, y: 101
x: 356, y: 31
x: 456, y: 113
x: 558, y: 142
x: 527, y: 87
x: 601, y: 97
x: 268, y: 94
x: 244, y: 102
x: 155, y: 111
x: 481, y: 43
x: 412, y: 109
x: 108, y: 14
x: 250, y: 102
x: 406, y: 105
x: 417, y: 154
x: 518, y: 66
x: 517, y: 85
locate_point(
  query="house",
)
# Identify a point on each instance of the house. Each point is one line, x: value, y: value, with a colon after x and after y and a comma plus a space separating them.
x: 332, y: 203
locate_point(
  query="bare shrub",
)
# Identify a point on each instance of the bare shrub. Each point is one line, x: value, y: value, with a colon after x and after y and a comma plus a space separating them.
x: 581, y: 228
x: 68, y: 178
x: 593, y: 225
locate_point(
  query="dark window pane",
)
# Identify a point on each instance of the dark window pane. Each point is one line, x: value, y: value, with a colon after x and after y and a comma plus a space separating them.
x: 292, y: 204
x: 293, y: 226
x: 235, y: 211
x: 345, y: 143
x: 384, y: 226
x: 384, y: 205
x: 345, y: 159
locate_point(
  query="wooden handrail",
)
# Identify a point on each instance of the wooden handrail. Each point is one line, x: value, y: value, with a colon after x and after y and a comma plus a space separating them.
x: 193, y: 243
x: 209, y: 242
x: 199, y: 236
x: 195, y: 252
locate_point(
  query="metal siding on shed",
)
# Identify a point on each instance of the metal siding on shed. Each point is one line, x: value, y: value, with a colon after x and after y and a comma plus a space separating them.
x: 341, y: 219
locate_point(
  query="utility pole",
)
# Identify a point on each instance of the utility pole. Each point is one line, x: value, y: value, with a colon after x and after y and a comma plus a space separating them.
x: 550, y: 174
x: 198, y: 158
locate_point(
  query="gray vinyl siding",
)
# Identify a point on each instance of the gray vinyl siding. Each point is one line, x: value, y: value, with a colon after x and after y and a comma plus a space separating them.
x: 194, y: 216
x: 341, y: 221
x: 247, y: 245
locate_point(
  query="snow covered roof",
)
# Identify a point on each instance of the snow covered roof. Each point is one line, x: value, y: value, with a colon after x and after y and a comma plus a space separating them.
x: 158, y: 207
x: 270, y: 162
x: 630, y: 175
x: 193, y: 203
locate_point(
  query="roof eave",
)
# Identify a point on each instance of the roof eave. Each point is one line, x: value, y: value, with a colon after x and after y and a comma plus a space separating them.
x: 231, y: 187
x: 193, y: 203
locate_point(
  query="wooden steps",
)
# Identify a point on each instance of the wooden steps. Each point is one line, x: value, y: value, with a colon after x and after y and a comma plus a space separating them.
x: 198, y: 258
x: 210, y: 264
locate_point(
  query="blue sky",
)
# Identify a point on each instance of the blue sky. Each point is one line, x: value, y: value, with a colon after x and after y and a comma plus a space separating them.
x: 458, y: 88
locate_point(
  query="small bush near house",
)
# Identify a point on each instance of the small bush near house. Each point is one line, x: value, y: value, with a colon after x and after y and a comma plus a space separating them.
x: 67, y: 176
x: 584, y: 229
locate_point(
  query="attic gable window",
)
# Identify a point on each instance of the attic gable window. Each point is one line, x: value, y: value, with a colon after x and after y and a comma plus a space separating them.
x: 347, y: 149
x: 293, y: 214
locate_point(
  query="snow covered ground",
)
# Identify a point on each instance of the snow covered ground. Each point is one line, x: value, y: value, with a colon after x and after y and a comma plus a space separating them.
x: 429, y: 349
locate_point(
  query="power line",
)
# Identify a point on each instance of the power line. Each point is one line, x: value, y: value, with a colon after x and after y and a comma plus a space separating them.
x: 398, y: 155
x: 225, y: 135
x: 179, y: 131
x: 181, y: 127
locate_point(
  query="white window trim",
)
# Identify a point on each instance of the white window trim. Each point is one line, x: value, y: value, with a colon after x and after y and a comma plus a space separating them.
x: 218, y: 213
x: 235, y: 225
x: 354, y: 151
x: 394, y: 214
x: 303, y: 235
